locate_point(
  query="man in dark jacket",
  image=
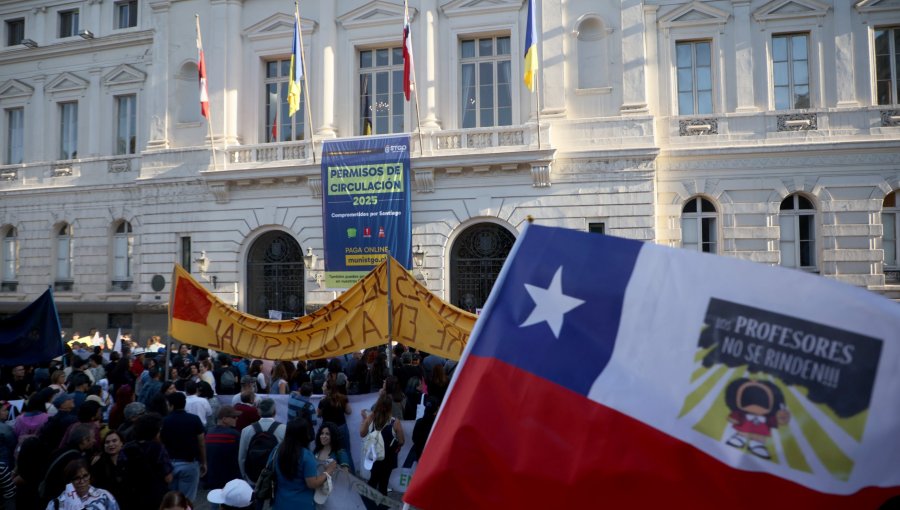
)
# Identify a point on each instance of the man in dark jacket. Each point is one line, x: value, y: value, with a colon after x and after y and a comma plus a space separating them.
x: 222, y: 442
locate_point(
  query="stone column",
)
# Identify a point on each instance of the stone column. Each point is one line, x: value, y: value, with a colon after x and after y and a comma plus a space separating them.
x: 427, y: 72
x: 94, y: 108
x: 634, y: 75
x: 551, y: 68
x: 157, y: 79
x: 95, y: 8
x: 652, y: 58
x: 40, y: 126
x: 326, y: 78
x: 843, y: 55
x: 743, y: 57
x: 233, y: 69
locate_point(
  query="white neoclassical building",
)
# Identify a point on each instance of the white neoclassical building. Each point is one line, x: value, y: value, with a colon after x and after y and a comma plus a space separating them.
x: 765, y: 130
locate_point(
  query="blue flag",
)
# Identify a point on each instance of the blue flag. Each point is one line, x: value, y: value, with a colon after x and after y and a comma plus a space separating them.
x: 32, y: 335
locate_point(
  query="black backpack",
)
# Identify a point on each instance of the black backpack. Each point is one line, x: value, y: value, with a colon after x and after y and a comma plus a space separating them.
x: 228, y: 382
x: 261, y: 445
x: 317, y: 377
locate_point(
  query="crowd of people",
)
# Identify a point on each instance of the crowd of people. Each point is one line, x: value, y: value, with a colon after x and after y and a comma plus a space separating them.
x: 147, y: 429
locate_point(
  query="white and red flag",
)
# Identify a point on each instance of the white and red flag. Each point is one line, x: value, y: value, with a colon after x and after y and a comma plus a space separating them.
x: 409, y: 74
x: 201, y: 66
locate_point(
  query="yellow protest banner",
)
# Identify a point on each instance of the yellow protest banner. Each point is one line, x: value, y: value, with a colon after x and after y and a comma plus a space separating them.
x: 354, y: 321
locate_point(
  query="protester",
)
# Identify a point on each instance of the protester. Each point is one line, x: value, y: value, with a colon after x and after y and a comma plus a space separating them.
x: 147, y: 465
x: 151, y: 386
x: 124, y: 396
x: 249, y: 412
x: 296, y: 470
x: 52, y: 433
x: 300, y: 404
x: 251, y: 455
x: 196, y: 404
x: 392, y: 434
x: 248, y: 387
x: 8, y: 441
x: 132, y: 412
x: 206, y: 373
x: 335, y: 408
x: 438, y: 383
x: 326, y: 450
x: 279, y: 384
x: 79, y: 493
x: 423, y: 426
x: 222, y: 445
x: 392, y: 389
x: 89, y: 414
x: 256, y: 370
x: 204, y: 390
x: 80, y: 446
x: 108, y: 469
x: 183, y: 435
x: 226, y: 376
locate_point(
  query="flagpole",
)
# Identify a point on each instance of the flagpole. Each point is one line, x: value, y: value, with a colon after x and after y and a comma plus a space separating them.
x: 413, y: 80
x: 537, y: 100
x: 390, y: 353
x: 212, y: 145
x: 312, y: 139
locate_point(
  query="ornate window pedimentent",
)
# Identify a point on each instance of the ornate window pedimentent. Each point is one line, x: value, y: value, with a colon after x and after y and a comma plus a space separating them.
x: 791, y: 9
x: 695, y: 14
x: 375, y: 13
x: 480, y: 7
x: 124, y: 75
x: 866, y: 6
x: 15, y: 89
x: 66, y: 82
x: 278, y: 26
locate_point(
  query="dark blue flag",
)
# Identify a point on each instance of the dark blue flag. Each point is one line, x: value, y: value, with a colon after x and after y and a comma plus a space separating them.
x: 32, y: 335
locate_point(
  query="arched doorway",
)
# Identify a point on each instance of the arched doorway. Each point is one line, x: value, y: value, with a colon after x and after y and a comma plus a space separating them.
x: 475, y: 261
x: 275, y: 275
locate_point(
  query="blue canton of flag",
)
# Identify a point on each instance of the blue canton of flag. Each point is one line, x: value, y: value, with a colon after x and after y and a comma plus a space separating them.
x: 548, y: 313
x: 32, y: 335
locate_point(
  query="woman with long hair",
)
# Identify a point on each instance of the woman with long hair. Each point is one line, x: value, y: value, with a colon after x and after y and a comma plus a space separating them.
x: 256, y: 370
x: 438, y: 383
x: 206, y: 373
x: 79, y: 493
x: 326, y: 448
x: 381, y: 419
x: 174, y: 500
x: 279, y: 385
x: 296, y: 471
x: 392, y: 389
x: 107, y: 468
x: 334, y: 408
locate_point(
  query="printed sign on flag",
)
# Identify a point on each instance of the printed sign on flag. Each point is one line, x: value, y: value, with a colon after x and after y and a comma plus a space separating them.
x: 604, y: 369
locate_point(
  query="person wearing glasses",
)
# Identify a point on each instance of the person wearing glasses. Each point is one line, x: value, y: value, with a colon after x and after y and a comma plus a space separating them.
x: 79, y: 493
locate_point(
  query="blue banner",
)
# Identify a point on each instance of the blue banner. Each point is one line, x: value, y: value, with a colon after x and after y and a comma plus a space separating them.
x: 32, y: 335
x: 365, y: 206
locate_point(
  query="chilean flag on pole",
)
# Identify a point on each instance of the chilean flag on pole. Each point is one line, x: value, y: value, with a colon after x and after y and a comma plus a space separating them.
x: 610, y: 372
x: 201, y: 66
x: 409, y: 73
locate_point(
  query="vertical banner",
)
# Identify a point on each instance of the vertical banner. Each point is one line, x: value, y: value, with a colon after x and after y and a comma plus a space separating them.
x: 365, y: 206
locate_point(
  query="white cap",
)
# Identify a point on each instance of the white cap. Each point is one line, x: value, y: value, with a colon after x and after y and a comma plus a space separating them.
x: 236, y: 493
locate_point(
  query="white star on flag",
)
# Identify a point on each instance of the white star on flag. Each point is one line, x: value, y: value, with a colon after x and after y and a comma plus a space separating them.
x: 550, y: 304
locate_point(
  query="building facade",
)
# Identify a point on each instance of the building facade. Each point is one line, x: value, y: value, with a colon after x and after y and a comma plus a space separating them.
x: 764, y: 130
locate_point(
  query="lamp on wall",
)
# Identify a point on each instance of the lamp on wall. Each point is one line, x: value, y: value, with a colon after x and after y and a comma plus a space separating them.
x: 418, y: 255
x: 30, y: 43
x: 203, y: 267
x: 309, y: 260
x: 86, y: 34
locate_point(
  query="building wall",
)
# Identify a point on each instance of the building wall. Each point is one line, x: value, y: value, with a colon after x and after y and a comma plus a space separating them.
x: 607, y: 145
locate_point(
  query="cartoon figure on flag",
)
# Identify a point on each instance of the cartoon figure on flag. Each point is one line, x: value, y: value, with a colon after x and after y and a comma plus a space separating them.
x: 754, y: 365
x: 756, y: 408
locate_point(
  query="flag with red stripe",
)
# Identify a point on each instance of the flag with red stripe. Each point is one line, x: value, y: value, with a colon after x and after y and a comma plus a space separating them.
x: 201, y: 66
x: 409, y: 76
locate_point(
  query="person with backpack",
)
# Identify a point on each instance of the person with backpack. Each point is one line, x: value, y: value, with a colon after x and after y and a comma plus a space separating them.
x: 380, y: 427
x: 299, y: 404
x: 227, y: 376
x: 318, y: 375
x: 296, y: 471
x: 258, y: 440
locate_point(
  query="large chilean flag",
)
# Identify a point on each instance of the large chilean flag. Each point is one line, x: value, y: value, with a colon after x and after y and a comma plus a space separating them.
x: 609, y: 372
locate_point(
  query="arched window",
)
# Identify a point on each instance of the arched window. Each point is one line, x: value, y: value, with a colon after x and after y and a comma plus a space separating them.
x: 10, y: 257
x: 122, y: 245
x: 889, y: 212
x: 797, y: 220
x: 188, y: 93
x: 592, y: 58
x: 475, y: 261
x: 275, y: 273
x: 698, y: 225
x: 64, y: 253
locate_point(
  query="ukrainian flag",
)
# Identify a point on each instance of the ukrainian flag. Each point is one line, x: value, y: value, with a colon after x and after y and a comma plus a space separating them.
x: 531, y: 58
x: 296, y: 69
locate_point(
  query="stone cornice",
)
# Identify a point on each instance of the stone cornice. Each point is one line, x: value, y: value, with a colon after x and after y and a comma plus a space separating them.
x: 75, y: 47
